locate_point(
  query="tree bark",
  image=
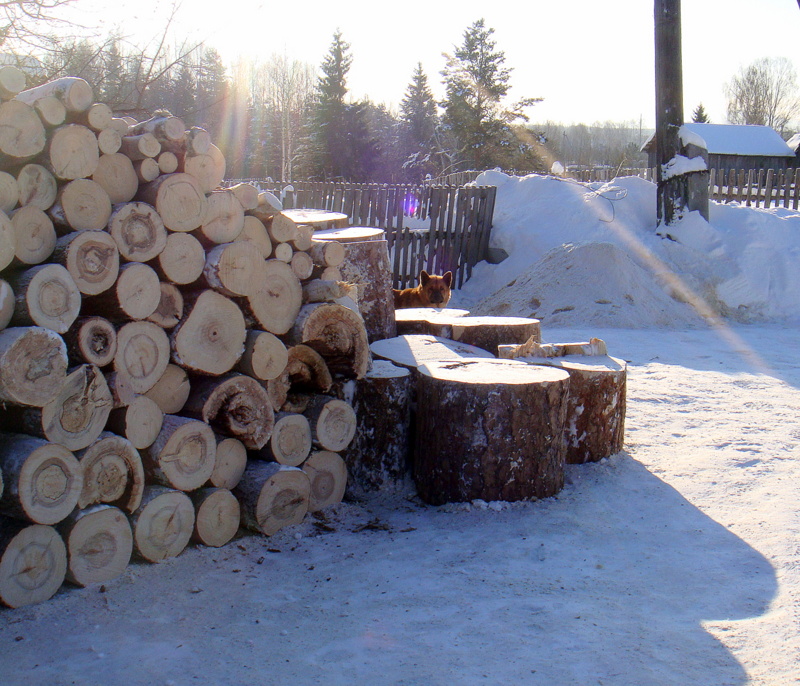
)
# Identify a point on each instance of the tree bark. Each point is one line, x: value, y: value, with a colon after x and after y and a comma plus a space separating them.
x: 235, y: 405
x: 91, y: 258
x: 328, y: 476
x: 112, y: 473
x: 33, y: 365
x: 179, y: 200
x: 217, y: 516
x: 272, y: 496
x: 143, y: 352
x: 33, y: 563
x: 163, y: 524
x: 43, y: 480
x: 490, y: 430
x: 34, y: 235
x: 182, y: 456
x: 210, y: 338
x: 99, y: 544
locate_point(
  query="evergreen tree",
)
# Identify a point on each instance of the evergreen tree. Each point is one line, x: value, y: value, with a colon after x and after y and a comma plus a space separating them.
x: 699, y: 115
x: 212, y: 91
x: 476, y: 83
x: 419, y: 120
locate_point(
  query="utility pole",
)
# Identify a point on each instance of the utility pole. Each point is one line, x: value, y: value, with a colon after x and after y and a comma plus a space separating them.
x: 672, y: 195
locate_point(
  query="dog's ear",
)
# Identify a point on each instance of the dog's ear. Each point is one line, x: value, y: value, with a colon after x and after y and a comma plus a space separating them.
x: 423, y: 277
x: 448, y: 278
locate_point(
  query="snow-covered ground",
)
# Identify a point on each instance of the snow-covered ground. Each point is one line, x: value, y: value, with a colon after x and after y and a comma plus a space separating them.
x: 674, y: 562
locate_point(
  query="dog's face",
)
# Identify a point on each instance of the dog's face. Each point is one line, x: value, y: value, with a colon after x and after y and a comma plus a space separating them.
x: 436, y: 289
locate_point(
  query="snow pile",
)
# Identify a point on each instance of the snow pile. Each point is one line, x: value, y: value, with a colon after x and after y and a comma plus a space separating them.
x: 588, y: 246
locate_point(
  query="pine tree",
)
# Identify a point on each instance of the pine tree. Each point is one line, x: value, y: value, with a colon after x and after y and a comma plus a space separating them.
x: 699, y: 115
x: 476, y: 83
x: 419, y: 120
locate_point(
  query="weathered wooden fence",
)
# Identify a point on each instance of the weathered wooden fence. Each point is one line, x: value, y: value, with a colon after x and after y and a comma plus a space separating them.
x: 436, y: 228
x: 756, y: 187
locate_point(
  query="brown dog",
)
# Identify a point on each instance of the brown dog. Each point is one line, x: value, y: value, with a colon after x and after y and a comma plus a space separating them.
x: 433, y: 291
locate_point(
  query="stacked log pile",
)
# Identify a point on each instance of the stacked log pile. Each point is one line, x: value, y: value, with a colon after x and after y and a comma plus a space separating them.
x: 168, y: 351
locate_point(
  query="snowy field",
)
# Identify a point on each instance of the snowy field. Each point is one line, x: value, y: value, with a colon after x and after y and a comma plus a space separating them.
x: 675, y: 562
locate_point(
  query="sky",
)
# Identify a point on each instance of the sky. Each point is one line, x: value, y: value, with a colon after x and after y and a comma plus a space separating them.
x: 591, y: 61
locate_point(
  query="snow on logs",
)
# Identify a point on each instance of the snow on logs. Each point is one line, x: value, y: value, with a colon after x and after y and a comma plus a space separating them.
x: 162, y: 376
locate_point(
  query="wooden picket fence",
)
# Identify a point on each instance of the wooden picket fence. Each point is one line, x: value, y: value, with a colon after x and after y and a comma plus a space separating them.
x: 436, y: 228
x: 756, y: 187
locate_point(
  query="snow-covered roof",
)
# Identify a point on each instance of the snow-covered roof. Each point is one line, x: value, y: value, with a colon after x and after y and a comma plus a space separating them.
x: 733, y: 139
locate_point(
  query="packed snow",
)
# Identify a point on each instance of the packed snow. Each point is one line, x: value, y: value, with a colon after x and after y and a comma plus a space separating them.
x: 673, y: 562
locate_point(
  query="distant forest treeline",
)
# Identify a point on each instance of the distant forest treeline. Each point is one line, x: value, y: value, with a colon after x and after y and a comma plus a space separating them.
x: 289, y: 120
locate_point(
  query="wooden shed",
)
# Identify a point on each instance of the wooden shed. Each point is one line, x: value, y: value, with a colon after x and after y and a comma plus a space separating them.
x: 731, y: 146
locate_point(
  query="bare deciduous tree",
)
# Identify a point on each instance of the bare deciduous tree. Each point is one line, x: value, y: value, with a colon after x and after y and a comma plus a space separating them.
x: 764, y: 93
x: 27, y: 22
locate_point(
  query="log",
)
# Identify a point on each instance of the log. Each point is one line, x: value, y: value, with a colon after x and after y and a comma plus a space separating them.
x: 112, y: 473
x: 51, y: 111
x: 163, y: 126
x: 265, y: 356
x: 412, y: 351
x: 275, y: 303
x: 136, y: 294
x: 253, y: 230
x: 246, y: 194
x: 217, y: 516
x: 490, y: 430
x: 99, y: 544
x: 367, y: 264
x: 46, y: 296
x: 179, y: 200
x: 138, y: 231
x: 6, y: 304
x: 33, y: 563
x: 9, y: 192
x: 170, y: 307
x: 72, y: 152
x: 305, y: 237
x: 12, y: 81
x: 8, y: 241
x: 120, y: 125
x: 486, y: 332
x: 283, y: 252
x: 327, y: 473
x: 230, y: 462
x: 117, y: 177
x: 33, y: 365
x: 307, y: 370
x: 109, y: 141
x: 139, y: 422
x: 163, y: 524
x: 426, y: 321
x: 290, y: 443
x: 37, y: 186
x: 140, y: 147
x: 235, y: 405
x: 122, y: 392
x: 43, y: 480
x: 22, y: 135
x: 282, y: 229
x: 224, y: 218
x: 81, y: 204
x: 268, y: 207
x: 182, y: 260
x: 327, y: 253
x: 172, y: 390
x: 208, y: 168
x: 143, y: 352
x: 302, y: 265
x: 76, y: 416
x: 91, y: 258
x: 75, y: 93
x: 332, y: 421
x: 272, y: 496
x: 210, y: 337
x: 378, y: 458
x: 320, y: 291
x: 234, y: 269
x: 278, y: 391
x: 147, y: 170
x: 182, y: 456
x: 321, y: 220
x: 337, y: 333
x: 34, y: 235
x: 91, y: 340
x: 167, y: 162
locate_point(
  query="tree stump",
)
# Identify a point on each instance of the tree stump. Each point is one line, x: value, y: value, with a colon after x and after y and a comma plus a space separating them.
x: 33, y: 562
x: 272, y: 496
x: 255, y: 232
x: 327, y: 474
x: 367, y: 264
x: 418, y: 320
x: 99, y: 544
x: 378, y: 457
x: 414, y: 350
x: 73, y: 152
x: 22, y: 135
x: 217, y: 516
x: 490, y: 430
x: 163, y: 524
x: 43, y: 480
x: 33, y: 365
x: 75, y: 93
x: 112, y: 473
x: 183, y: 454
x: 207, y: 168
